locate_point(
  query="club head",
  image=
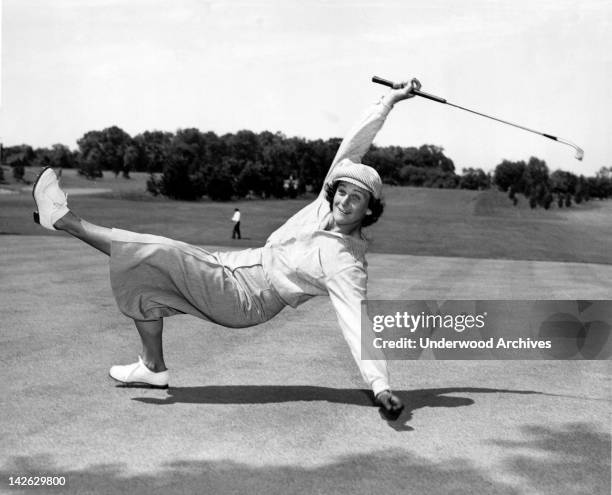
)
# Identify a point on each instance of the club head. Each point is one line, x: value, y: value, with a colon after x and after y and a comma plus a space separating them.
x: 579, y: 154
x: 579, y: 151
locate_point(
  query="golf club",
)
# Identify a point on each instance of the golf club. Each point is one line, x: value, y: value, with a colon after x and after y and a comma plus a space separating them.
x: 391, y: 84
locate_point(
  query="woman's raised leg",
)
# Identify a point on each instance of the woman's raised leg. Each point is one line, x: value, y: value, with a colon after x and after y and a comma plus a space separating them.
x: 94, y: 235
x: 53, y: 213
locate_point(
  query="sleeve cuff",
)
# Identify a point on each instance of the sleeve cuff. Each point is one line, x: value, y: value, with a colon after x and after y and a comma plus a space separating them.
x: 379, y: 385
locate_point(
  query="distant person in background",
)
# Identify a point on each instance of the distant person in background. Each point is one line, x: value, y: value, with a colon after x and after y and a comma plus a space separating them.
x: 319, y: 251
x: 236, y: 220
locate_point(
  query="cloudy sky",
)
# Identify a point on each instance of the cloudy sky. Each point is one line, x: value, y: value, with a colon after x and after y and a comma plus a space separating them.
x: 304, y: 67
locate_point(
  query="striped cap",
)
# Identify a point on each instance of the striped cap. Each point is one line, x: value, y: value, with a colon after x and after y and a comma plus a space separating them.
x: 359, y: 174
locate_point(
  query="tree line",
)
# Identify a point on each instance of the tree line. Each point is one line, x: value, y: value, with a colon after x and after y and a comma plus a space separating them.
x: 190, y: 164
x: 542, y: 188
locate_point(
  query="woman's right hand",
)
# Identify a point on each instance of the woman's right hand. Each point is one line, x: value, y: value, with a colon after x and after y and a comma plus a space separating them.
x: 391, y: 404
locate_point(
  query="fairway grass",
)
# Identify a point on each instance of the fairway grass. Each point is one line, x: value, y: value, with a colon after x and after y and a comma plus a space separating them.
x: 417, y: 221
x: 281, y: 408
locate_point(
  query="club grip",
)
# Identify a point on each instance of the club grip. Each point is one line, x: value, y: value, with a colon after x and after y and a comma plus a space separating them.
x: 384, y: 82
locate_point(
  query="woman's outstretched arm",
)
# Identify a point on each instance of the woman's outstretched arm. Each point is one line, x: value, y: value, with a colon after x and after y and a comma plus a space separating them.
x: 359, y: 139
x: 347, y: 290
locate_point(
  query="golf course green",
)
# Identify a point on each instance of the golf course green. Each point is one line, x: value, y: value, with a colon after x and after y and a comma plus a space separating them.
x: 281, y: 408
x: 417, y: 221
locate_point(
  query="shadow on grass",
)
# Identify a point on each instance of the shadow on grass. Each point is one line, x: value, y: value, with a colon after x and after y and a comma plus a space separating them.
x: 265, y: 394
x: 572, y: 459
x: 574, y: 456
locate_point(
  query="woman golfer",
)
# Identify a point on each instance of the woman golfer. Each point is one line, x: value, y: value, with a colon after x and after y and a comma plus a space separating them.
x: 318, y: 251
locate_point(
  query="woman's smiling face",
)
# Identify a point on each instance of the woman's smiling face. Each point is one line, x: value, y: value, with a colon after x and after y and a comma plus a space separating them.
x: 350, y: 206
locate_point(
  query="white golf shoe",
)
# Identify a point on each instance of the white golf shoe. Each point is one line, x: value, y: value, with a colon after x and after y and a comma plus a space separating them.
x: 51, y: 201
x: 138, y: 375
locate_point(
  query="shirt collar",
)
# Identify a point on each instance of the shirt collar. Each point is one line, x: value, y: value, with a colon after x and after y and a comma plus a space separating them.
x: 358, y: 246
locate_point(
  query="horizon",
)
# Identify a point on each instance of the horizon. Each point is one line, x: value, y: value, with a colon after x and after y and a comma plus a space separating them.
x: 457, y: 171
x: 304, y: 70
